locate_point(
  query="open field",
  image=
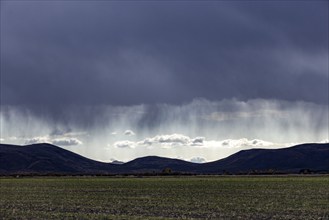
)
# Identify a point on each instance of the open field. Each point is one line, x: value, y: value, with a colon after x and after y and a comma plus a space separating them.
x: 287, y: 197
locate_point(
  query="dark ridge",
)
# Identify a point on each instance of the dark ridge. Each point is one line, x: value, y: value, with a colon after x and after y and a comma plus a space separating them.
x: 158, y: 164
x: 314, y: 157
x: 46, y: 158
x: 40, y: 159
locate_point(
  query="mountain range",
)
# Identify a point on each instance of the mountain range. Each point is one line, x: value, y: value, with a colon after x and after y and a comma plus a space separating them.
x: 47, y: 159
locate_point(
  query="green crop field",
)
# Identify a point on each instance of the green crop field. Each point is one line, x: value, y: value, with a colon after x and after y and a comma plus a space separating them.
x: 290, y: 197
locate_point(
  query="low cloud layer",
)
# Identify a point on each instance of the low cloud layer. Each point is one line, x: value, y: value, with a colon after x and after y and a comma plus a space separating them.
x: 176, y: 141
x: 129, y: 133
x: 165, y: 145
x: 201, y: 128
x: 124, y: 144
x: 66, y: 142
x: 171, y: 140
x: 198, y: 160
x: 56, y: 141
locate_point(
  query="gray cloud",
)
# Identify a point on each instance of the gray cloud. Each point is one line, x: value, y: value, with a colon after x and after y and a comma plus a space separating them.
x: 36, y: 140
x: 126, y: 54
x: 128, y: 133
x: 258, y: 113
x: 198, y: 160
x: 254, y: 119
x: 63, y: 141
x: 200, y: 128
x: 124, y: 144
x: 66, y: 141
x: 171, y: 140
x: 216, y: 69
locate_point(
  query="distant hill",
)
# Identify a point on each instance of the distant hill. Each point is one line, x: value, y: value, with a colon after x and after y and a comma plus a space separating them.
x: 158, y: 164
x: 314, y: 157
x: 50, y: 159
x: 46, y: 158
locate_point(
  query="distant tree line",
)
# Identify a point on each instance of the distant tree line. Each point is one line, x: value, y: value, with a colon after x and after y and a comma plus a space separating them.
x: 167, y: 171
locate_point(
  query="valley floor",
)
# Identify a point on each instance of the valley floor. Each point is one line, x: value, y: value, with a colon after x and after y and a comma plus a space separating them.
x: 241, y: 197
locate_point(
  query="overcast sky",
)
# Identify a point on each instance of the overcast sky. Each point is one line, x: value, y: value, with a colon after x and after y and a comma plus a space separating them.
x: 101, y: 77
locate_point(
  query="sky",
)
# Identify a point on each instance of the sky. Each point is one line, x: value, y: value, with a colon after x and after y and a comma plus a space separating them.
x: 195, y: 80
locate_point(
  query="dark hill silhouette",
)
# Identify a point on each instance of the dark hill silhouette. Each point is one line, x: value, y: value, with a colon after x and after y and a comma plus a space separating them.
x: 157, y: 164
x: 291, y: 160
x: 46, y: 158
x: 50, y: 159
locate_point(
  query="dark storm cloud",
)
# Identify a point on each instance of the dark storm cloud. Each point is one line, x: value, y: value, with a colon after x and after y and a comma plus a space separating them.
x: 124, y: 53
